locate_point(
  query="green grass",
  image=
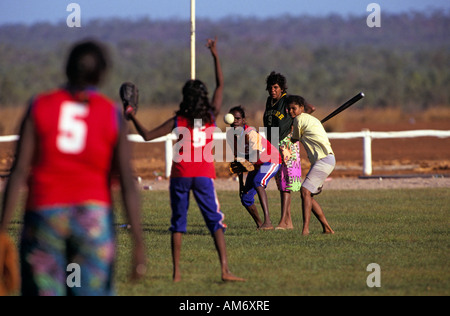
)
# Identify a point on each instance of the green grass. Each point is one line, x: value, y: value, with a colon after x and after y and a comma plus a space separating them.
x: 405, y: 231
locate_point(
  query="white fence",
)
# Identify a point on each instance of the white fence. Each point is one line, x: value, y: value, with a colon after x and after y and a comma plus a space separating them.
x: 365, y: 135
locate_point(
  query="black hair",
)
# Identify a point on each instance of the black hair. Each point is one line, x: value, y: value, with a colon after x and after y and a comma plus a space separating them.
x: 195, y: 104
x: 239, y: 109
x: 87, y: 64
x: 296, y: 99
x: 276, y: 78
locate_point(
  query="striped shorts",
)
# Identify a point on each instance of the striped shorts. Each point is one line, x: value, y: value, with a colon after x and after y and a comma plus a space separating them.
x: 258, y: 178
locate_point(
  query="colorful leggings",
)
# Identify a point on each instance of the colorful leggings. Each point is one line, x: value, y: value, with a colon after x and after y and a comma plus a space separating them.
x: 68, y: 251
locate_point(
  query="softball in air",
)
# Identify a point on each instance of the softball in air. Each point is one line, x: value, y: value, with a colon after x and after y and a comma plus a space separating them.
x: 229, y: 118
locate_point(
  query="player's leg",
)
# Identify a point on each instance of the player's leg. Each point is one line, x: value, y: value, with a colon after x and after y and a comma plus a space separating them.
x: 286, y: 220
x: 248, y: 198
x: 266, y: 172
x: 42, y: 253
x: 282, y: 179
x: 306, y: 209
x: 179, y: 201
x: 176, y: 241
x: 219, y: 242
x: 92, y: 247
x: 320, y: 215
x: 206, y: 197
x: 267, y: 225
x: 313, y: 185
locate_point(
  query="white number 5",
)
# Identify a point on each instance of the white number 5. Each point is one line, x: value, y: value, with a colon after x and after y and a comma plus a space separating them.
x: 72, y: 129
x: 199, y: 134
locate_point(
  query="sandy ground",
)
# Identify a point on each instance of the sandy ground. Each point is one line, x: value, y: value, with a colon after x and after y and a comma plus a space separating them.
x: 330, y: 184
x: 381, y: 182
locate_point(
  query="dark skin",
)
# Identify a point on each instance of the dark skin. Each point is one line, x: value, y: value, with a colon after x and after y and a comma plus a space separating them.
x: 308, y: 202
x: 167, y: 128
x: 239, y: 121
x: 276, y: 92
x: 121, y: 164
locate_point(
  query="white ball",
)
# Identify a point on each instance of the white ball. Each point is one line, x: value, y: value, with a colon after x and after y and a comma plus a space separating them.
x: 229, y: 118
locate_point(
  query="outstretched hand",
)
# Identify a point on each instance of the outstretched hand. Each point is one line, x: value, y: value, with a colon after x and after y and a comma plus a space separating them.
x: 212, y: 45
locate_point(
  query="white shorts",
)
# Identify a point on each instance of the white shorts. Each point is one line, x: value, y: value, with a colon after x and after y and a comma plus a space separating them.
x: 318, y: 173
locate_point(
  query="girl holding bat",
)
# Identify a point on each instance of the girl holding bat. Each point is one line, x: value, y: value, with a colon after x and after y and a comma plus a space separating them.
x: 310, y: 132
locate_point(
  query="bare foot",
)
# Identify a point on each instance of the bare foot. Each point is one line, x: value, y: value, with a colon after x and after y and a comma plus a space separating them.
x: 176, y: 279
x: 328, y: 231
x: 283, y: 226
x: 229, y: 277
x: 266, y: 227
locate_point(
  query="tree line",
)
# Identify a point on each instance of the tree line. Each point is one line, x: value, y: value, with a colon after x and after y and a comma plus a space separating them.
x: 404, y: 63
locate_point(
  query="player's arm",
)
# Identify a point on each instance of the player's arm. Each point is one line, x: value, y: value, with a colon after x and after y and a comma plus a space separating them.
x: 296, y: 131
x: 19, y: 171
x: 130, y: 199
x: 309, y: 108
x: 147, y: 135
x: 254, y: 143
x: 218, y: 93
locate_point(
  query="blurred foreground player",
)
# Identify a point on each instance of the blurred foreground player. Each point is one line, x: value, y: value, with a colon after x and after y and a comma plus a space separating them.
x: 70, y: 141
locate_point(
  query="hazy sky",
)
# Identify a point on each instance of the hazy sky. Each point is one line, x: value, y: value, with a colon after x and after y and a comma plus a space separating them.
x: 31, y: 11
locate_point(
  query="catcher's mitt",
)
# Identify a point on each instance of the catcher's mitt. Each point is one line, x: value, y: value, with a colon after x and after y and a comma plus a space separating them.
x: 129, y: 94
x: 240, y: 165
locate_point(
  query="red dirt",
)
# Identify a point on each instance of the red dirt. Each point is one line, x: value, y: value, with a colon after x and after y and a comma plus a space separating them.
x: 423, y: 155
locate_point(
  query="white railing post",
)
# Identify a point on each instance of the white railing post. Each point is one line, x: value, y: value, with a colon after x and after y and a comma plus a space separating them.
x: 169, y: 155
x: 367, y: 152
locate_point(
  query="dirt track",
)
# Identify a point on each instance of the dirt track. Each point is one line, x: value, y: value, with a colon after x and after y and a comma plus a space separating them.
x: 330, y: 184
x: 424, y: 156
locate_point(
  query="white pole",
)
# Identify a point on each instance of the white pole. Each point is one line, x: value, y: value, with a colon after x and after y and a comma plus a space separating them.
x: 169, y: 155
x: 193, y: 75
x: 367, y: 152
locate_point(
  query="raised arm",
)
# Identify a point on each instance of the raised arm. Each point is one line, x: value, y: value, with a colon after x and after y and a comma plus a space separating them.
x: 218, y: 93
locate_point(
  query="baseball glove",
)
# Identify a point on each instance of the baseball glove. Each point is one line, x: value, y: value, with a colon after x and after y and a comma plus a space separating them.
x: 129, y: 94
x: 240, y: 165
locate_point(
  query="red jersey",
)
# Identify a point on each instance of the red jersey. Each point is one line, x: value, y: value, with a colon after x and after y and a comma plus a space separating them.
x: 250, y: 142
x: 193, y: 156
x: 75, y: 141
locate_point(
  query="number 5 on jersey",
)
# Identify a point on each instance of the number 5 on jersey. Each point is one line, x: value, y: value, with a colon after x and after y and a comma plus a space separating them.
x: 72, y: 128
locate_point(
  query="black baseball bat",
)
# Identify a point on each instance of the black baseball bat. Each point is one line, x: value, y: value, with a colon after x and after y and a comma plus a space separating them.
x: 344, y: 106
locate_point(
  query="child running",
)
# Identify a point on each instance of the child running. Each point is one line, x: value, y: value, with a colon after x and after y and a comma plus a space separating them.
x: 193, y: 166
x: 313, y: 136
x: 247, y: 143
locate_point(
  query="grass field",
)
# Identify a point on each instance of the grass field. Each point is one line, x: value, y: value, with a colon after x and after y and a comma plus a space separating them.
x: 406, y: 232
